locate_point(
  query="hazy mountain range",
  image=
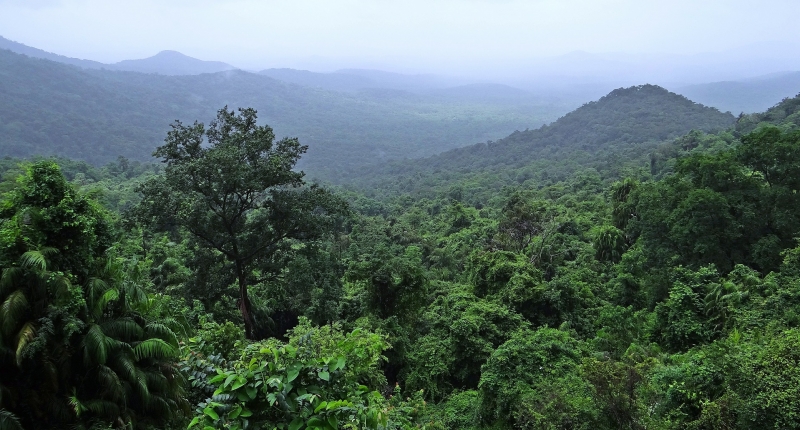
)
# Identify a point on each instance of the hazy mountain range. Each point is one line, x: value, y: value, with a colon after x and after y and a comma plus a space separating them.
x: 51, y: 108
x: 351, y: 119
x: 572, y: 79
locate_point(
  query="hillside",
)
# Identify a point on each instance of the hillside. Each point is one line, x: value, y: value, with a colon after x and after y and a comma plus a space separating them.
x: 627, y: 119
x: 20, y: 48
x: 50, y: 108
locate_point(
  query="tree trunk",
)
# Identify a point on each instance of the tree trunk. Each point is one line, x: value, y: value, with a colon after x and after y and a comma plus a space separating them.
x: 245, y: 307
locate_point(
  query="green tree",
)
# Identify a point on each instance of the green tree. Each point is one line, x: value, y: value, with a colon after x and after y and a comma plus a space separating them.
x: 532, y: 381
x: 238, y: 196
x: 323, y: 378
x: 74, y: 327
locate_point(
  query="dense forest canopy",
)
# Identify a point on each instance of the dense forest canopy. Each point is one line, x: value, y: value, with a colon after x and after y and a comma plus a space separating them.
x: 633, y: 265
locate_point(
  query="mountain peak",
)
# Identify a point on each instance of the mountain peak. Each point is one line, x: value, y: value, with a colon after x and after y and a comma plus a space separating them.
x: 170, y: 62
x: 174, y: 54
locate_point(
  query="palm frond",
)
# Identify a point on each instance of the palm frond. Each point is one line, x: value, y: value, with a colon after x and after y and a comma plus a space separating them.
x: 103, y: 408
x: 124, y: 366
x: 123, y: 328
x: 156, y: 381
x: 154, y: 348
x: 102, y: 302
x: 52, y: 374
x: 24, y: 337
x: 34, y: 260
x: 160, y: 406
x: 134, y: 294
x: 161, y: 331
x: 9, y: 421
x: 95, y: 288
x: 95, y: 346
x: 60, y: 287
x: 9, y: 279
x: 111, y: 384
x: 77, y: 406
x: 179, y: 325
x: 11, y: 312
x: 141, y: 386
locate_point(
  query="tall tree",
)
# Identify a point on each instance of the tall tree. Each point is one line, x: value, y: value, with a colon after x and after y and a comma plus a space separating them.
x: 233, y: 188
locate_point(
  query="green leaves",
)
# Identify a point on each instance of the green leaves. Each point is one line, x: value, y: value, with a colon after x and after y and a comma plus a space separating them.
x: 307, y: 383
x: 154, y: 348
x: 12, y: 309
x: 238, y: 197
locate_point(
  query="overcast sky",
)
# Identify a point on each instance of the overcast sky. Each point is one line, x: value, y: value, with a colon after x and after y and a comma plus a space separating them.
x: 438, y: 36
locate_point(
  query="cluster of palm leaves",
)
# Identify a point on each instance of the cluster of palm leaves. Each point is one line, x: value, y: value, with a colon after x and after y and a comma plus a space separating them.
x: 80, y: 344
x: 82, y: 354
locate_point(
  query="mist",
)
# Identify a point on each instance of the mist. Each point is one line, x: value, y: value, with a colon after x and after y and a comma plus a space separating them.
x: 531, y: 44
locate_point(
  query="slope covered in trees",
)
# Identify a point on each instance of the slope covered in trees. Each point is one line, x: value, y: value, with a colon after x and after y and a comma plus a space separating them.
x: 628, y: 122
x: 652, y: 283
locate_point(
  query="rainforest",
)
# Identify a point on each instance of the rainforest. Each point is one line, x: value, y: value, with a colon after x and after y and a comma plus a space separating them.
x: 629, y: 262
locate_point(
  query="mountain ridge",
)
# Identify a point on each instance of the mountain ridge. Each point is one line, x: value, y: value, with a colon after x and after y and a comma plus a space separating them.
x: 95, y: 115
x: 165, y: 62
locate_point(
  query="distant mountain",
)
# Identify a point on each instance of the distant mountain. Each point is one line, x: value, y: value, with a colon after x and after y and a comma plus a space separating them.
x: 164, y: 63
x: 748, y: 96
x: 785, y: 113
x: 172, y: 63
x: 49, y: 108
x: 624, y: 120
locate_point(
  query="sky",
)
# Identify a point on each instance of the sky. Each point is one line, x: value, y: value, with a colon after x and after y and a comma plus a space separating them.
x: 458, y: 37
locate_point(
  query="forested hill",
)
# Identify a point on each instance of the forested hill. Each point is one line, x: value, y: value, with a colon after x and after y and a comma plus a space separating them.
x: 49, y: 108
x: 624, y: 118
x: 627, y: 115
